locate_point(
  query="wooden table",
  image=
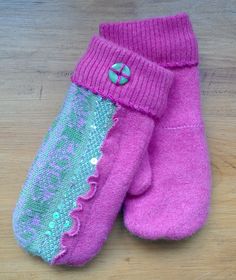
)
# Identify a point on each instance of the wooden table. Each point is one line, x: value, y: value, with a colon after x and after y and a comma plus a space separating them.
x: 39, y: 44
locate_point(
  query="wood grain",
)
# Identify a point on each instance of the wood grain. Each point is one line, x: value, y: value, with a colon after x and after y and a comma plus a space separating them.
x: 39, y: 44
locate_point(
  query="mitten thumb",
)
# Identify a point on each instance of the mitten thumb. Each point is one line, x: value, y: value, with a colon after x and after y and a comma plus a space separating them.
x: 143, y: 177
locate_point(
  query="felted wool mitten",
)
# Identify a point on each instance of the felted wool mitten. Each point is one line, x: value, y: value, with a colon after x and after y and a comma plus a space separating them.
x: 88, y: 159
x: 177, y: 202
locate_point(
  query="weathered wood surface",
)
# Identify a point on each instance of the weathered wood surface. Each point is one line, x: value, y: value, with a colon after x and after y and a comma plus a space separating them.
x: 39, y: 44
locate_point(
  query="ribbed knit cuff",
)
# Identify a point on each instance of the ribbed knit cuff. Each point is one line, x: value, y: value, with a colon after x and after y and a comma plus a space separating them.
x: 148, y: 86
x: 168, y: 41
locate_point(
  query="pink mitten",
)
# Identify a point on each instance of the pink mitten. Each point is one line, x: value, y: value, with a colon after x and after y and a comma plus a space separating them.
x: 177, y: 202
x: 87, y: 162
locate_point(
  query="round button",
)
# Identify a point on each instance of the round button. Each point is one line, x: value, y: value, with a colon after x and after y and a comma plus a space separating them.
x: 119, y: 73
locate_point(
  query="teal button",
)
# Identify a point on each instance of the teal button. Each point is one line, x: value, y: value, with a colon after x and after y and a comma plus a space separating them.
x: 119, y: 73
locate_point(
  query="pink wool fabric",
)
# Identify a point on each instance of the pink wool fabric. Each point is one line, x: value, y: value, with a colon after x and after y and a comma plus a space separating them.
x: 145, y: 95
x: 176, y: 203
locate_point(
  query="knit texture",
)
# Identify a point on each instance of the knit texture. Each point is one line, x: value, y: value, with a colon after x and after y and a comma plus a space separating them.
x: 147, y: 88
x: 168, y: 41
x: 67, y: 157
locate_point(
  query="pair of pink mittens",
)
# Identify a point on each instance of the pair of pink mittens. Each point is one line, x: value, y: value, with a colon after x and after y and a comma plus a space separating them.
x: 129, y: 134
x: 169, y: 197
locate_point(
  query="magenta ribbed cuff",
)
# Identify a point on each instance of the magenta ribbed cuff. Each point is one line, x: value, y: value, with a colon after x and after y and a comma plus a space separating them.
x: 168, y: 41
x: 147, y: 89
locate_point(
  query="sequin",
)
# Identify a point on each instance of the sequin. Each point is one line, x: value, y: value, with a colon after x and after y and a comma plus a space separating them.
x: 60, y: 206
x: 94, y: 161
x: 51, y: 225
x: 56, y: 215
x: 48, y: 232
x: 93, y: 126
x: 67, y: 224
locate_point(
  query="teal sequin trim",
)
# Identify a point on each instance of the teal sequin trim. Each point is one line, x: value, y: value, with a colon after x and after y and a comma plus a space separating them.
x: 59, y: 174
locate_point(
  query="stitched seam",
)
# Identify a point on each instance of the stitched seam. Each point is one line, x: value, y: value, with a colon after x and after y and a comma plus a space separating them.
x: 199, y: 125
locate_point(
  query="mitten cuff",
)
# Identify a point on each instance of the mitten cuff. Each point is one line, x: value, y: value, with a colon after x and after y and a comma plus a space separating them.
x: 169, y: 41
x: 140, y: 84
